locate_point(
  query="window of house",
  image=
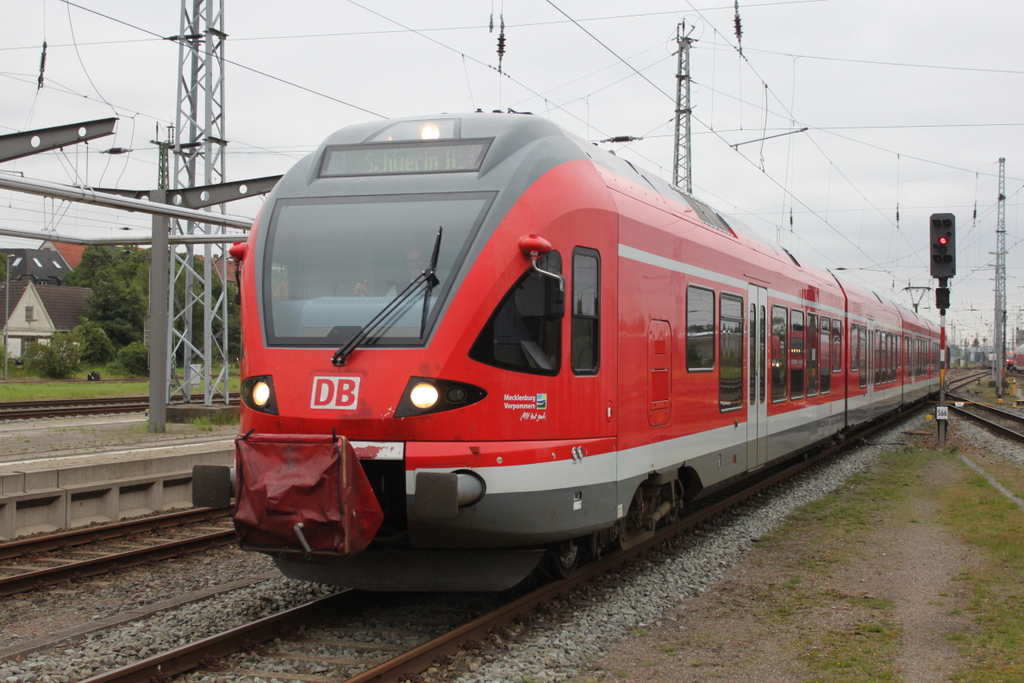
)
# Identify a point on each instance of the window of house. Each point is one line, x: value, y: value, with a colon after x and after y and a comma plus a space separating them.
x: 700, y: 329
x: 780, y: 352
x: 730, y: 352
x: 586, y: 282
x: 30, y: 314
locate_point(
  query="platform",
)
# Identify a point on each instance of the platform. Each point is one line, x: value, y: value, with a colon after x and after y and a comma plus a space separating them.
x: 67, y: 473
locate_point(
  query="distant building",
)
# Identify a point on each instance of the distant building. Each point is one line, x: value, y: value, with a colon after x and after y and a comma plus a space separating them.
x: 39, y: 266
x: 37, y: 311
x: 72, y: 253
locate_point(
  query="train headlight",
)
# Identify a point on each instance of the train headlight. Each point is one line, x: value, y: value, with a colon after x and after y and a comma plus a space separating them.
x: 430, y: 131
x: 258, y: 394
x: 424, y: 396
x: 261, y: 393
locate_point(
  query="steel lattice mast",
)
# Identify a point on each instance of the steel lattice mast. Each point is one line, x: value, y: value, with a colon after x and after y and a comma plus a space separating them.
x: 999, y: 365
x: 682, y: 169
x: 199, y: 148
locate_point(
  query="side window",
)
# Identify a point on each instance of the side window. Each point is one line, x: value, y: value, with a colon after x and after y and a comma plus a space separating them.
x: 730, y: 353
x: 700, y: 329
x: 780, y: 352
x: 796, y: 356
x: 812, y: 354
x: 854, y: 348
x: 825, y: 364
x: 586, y: 310
x: 862, y: 346
x: 837, y: 346
x: 524, y: 333
x: 752, y: 351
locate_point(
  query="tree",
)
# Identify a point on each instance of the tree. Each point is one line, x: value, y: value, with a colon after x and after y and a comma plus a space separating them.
x: 119, y: 280
x: 96, y: 347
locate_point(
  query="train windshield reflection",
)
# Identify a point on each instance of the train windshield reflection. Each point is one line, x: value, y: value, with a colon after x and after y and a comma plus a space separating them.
x: 331, y: 265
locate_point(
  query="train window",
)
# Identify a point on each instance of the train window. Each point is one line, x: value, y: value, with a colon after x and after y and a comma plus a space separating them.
x: 908, y: 356
x: 762, y: 355
x: 730, y: 350
x: 812, y: 354
x: 797, y: 360
x: 521, y: 335
x: 837, y: 346
x: 825, y: 363
x: 586, y: 308
x: 780, y: 352
x: 700, y: 329
x: 862, y: 354
x: 752, y: 350
x: 854, y: 347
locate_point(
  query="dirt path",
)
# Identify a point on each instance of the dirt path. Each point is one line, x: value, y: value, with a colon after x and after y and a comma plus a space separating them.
x: 822, y: 603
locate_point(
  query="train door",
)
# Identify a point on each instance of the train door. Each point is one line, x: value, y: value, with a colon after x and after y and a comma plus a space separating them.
x: 757, y: 371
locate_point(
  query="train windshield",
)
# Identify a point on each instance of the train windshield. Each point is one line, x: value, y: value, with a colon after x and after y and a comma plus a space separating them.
x: 331, y: 265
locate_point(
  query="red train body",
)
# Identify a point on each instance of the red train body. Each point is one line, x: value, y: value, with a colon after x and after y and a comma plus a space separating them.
x: 581, y: 350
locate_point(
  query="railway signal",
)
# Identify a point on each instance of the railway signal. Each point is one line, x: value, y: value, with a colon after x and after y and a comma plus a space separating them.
x: 943, y: 245
x: 942, y: 238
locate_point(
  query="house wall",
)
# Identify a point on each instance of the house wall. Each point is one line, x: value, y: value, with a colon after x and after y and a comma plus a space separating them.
x: 22, y: 330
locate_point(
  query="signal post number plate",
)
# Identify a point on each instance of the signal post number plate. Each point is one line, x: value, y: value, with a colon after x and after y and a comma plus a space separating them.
x: 941, y: 412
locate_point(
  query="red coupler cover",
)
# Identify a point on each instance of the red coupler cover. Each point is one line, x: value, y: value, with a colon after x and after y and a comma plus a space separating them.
x: 284, y: 480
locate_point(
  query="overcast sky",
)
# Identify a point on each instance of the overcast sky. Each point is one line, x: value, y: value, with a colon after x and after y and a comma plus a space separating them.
x: 909, y: 104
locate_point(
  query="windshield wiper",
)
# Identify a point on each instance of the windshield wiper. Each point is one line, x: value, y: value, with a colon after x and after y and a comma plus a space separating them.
x: 426, y: 278
x: 432, y: 280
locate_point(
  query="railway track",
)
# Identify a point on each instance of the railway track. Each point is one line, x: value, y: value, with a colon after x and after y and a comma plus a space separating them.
x: 36, y: 562
x: 355, y: 636
x: 1000, y: 421
x: 19, y: 410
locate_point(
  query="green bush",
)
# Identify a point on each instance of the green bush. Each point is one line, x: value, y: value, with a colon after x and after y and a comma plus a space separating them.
x: 58, y: 359
x: 96, y: 347
x: 134, y: 359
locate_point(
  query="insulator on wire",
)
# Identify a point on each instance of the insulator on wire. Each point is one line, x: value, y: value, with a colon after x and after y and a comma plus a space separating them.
x: 501, y: 43
x: 739, y: 27
x: 42, y: 67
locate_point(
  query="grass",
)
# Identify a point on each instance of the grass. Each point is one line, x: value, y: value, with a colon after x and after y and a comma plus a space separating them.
x: 863, y: 644
x: 44, y: 390
x: 987, y: 520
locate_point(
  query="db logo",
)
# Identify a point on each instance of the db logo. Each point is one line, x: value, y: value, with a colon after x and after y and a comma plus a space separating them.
x: 335, y: 393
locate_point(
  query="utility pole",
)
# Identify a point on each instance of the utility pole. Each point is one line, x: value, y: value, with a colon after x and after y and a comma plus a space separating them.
x: 682, y: 170
x: 199, y: 135
x: 999, y: 365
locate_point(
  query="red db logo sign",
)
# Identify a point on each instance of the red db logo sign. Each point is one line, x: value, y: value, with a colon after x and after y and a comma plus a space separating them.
x: 335, y: 393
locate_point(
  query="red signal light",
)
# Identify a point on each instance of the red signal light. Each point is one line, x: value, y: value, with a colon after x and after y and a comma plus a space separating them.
x: 943, y: 240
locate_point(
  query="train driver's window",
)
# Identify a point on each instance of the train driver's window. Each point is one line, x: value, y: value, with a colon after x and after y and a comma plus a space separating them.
x: 780, y: 352
x: 586, y: 310
x: 700, y: 329
x: 522, y: 334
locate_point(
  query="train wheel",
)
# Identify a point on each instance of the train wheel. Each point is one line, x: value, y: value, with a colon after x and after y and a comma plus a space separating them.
x: 565, y: 558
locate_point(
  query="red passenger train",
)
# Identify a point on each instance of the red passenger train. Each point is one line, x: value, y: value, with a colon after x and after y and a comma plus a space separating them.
x: 471, y: 341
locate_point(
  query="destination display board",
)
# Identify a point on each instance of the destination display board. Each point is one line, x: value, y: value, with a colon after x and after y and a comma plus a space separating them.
x: 396, y: 158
